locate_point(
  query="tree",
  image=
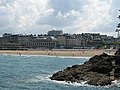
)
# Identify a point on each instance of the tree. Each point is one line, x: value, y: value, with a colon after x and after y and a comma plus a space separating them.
x: 117, y: 30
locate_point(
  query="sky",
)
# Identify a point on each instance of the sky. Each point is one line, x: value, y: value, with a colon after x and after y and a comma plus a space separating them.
x: 71, y: 16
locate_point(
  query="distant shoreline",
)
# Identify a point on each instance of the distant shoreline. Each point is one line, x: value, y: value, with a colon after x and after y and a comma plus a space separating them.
x: 58, y: 52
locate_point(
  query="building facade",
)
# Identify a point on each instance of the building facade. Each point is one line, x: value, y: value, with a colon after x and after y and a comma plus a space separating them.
x: 39, y: 43
x: 63, y: 41
x: 55, y: 33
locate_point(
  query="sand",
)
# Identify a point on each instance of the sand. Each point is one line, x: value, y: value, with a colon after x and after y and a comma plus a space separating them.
x: 57, y: 52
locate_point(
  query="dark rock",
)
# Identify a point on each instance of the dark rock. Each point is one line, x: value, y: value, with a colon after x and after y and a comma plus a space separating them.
x: 117, y: 52
x: 96, y: 71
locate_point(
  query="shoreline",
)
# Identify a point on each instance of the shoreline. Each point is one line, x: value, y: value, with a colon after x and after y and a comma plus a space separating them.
x: 73, y: 53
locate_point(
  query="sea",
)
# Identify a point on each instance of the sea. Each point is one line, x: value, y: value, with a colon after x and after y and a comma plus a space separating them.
x: 32, y: 72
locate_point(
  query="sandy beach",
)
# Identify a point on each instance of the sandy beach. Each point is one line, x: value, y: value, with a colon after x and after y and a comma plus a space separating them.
x: 79, y: 53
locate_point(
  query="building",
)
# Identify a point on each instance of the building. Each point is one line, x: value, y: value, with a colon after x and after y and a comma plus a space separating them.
x: 68, y: 41
x: 55, y: 39
x: 73, y: 42
x: 87, y: 40
x: 61, y: 41
x: 23, y: 39
x: 55, y: 33
x: 97, y: 41
x: 42, y: 43
x: 9, y: 46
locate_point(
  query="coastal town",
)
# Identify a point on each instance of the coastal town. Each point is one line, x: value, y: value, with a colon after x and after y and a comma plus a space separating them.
x: 57, y: 39
x: 59, y: 44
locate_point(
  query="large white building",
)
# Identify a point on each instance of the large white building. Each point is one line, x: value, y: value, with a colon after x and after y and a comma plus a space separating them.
x: 39, y: 43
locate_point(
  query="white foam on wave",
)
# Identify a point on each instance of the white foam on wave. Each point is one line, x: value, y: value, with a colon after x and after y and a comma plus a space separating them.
x: 44, y: 56
x: 46, y: 79
x: 57, y: 56
x: 16, y: 55
x: 9, y: 55
x: 43, y: 77
x: 38, y: 79
x: 83, y: 83
x: 70, y: 83
x: 72, y: 57
x: 116, y: 83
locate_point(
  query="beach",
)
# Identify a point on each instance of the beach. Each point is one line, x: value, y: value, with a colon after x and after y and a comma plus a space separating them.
x: 59, y: 52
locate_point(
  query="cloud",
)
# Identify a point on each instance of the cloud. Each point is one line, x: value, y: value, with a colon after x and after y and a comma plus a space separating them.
x: 93, y: 14
x: 21, y: 15
x: 81, y: 16
x: 39, y: 16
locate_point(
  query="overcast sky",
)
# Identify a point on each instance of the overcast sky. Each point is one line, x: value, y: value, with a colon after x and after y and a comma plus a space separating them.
x: 72, y: 16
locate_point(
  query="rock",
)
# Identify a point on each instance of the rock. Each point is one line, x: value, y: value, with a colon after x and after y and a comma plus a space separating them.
x: 117, y: 52
x: 96, y: 71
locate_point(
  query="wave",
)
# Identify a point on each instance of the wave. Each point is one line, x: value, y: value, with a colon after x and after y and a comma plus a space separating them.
x: 37, y: 79
x: 69, y: 83
x: 72, y: 57
x: 44, y: 56
x: 114, y: 84
x: 46, y: 79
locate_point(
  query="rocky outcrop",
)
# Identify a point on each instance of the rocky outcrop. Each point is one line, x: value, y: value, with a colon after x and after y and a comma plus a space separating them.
x: 117, y: 52
x: 96, y: 71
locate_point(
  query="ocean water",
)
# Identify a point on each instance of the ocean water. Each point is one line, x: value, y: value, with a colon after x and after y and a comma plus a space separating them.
x: 33, y: 72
